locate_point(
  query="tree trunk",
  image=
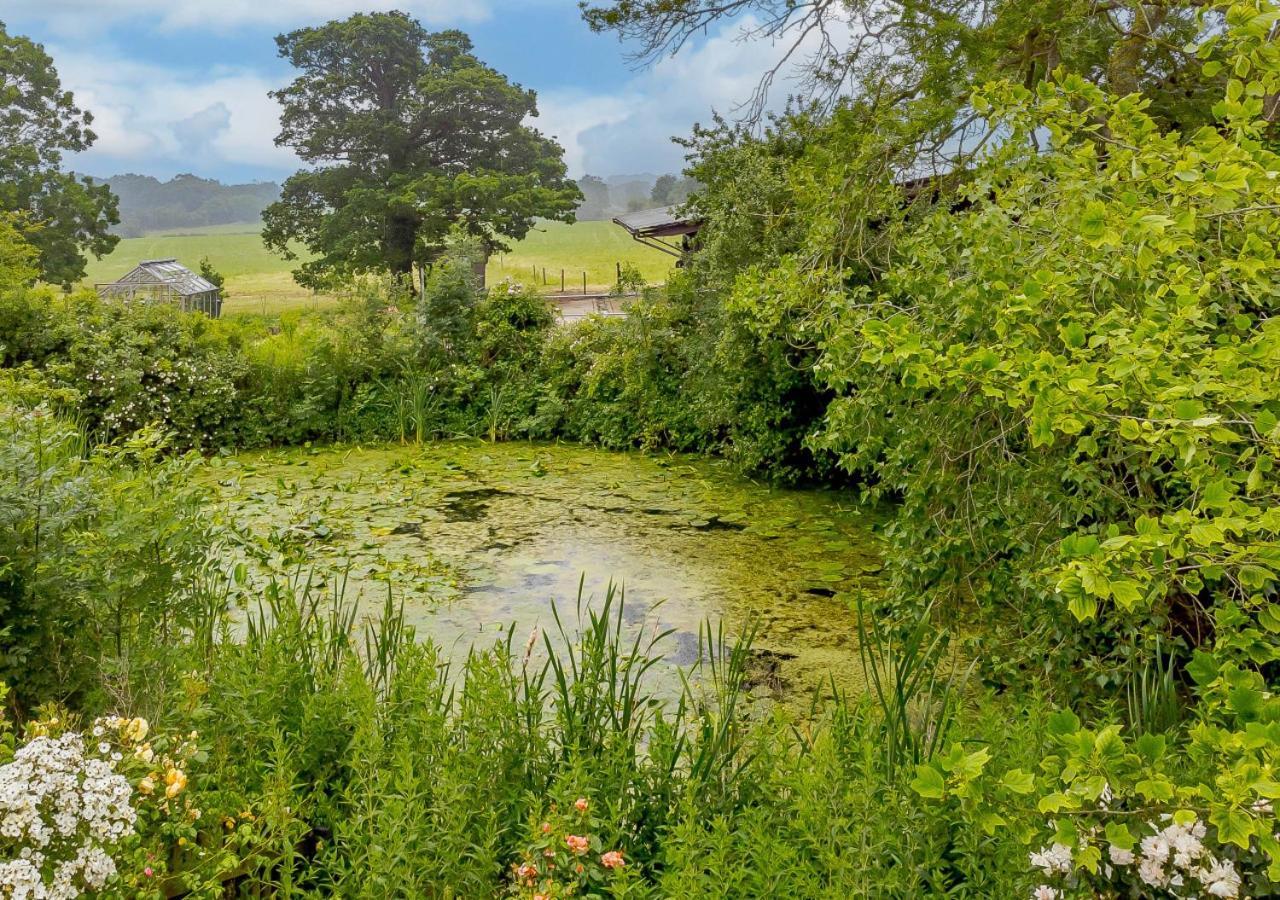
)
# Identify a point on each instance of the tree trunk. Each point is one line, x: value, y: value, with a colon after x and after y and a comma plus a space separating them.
x: 1124, y: 68
x: 401, y: 239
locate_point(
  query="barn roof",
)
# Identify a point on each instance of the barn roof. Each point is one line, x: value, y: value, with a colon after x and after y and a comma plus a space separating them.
x: 664, y: 221
x: 169, y: 272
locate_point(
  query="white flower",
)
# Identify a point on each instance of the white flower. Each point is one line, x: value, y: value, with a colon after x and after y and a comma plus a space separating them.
x: 1053, y: 860
x: 1120, y: 856
x: 1156, y: 847
x: 1044, y: 892
x: 62, y: 810
x: 1151, y: 871
x: 1220, y: 879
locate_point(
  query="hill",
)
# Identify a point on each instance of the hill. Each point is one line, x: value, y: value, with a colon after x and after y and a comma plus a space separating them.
x: 186, y: 201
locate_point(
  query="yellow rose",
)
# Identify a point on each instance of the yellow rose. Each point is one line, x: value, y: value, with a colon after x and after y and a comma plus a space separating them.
x: 146, y: 786
x: 176, y: 780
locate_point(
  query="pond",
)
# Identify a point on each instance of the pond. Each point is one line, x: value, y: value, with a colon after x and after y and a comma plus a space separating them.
x: 475, y: 539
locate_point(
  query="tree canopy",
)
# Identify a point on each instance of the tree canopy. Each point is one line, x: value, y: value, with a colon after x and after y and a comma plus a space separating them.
x: 881, y: 54
x: 62, y: 216
x: 410, y: 136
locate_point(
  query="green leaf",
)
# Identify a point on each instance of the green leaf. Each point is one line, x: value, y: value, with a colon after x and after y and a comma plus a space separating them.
x: 1120, y: 835
x: 1187, y: 409
x: 1093, y: 221
x: 929, y: 783
x: 1203, y: 668
x: 990, y: 821
x: 1055, y: 802
x: 1234, y: 826
x: 1246, y: 702
x: 1073, y: 335
x: 1216, y: 495
x: 1126, y: 593
x: 1083, y: 607
x: 1063, y: 722
x: 1155, y: 789
x: 1150, y: 747
x: 1019, y: 781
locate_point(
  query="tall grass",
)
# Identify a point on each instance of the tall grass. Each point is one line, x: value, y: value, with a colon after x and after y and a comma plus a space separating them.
x: 413, y: 405
x: 914, y: 683
x: 1152, y: 703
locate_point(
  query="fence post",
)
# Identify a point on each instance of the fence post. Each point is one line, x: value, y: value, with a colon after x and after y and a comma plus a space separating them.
x: 584, y: 284
x: 618, y: 266
x: 544, y: 276
x: 562, y: 281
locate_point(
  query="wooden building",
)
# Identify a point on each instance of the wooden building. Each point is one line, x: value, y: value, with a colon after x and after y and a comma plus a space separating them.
x: 166, y: 281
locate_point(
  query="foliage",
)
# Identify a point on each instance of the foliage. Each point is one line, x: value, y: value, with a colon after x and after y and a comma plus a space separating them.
x: 145, y: 364
x: 936, y: 52
x: 426, y: 139
x: 62, y: 215
x: 100, y: 555
x: 17, y: 256
x: 564, y: 857
x: 45, y: 497
x: 213, y: 276
x: 186, y: 201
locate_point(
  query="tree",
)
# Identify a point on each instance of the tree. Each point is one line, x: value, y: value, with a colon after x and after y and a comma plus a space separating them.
x: 62, y: 216
x: 662, y: 189
x: 669, y: 190
x: 595, y: 193
x: 213, y: 276
x: 409, y: 135
x: 886, y: 53
x: 17, y: 257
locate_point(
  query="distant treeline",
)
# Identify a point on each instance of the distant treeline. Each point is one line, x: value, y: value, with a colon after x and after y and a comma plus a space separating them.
x: 186, y: 201
x: 148, y: 204
x: 604, y: 198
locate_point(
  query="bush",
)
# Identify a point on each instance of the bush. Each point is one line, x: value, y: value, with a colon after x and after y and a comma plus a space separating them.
x: 102, y: 562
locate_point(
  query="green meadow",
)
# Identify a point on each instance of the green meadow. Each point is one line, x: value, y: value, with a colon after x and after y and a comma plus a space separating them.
x: 259, y: 281
x: 593, y: 248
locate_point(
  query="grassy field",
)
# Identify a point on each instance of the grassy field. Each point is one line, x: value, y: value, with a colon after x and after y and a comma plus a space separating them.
x: 258, y: 281
x: 591, y: 247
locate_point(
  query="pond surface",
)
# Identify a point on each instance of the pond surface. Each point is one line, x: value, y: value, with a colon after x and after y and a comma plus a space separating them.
x: 476, y: 539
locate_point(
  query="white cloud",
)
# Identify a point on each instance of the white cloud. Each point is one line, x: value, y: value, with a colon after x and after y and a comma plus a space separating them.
x: 85, y: 17
x: 629, y: 131
x: 569, y: 116
x: 160, y: 120
x: 150, y: 119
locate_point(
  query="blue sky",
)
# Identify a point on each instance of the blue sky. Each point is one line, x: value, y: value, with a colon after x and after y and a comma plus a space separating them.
x: 180, y: 85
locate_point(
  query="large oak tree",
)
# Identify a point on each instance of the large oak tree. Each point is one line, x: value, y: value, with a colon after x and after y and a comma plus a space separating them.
x: 61, y: 215
x: 409, y: 135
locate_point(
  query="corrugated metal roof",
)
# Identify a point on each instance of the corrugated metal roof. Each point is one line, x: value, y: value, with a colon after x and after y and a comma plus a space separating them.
x: 170, y: 272
x: 657, y: 222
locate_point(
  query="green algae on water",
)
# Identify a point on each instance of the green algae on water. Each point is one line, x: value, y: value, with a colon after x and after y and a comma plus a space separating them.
x: 475, y: 539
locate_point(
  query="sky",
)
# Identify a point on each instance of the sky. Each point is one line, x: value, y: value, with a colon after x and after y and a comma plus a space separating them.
x: 181, y: 85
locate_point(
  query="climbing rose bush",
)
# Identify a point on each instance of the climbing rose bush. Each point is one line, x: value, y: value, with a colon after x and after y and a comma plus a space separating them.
x: 566, y: 857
